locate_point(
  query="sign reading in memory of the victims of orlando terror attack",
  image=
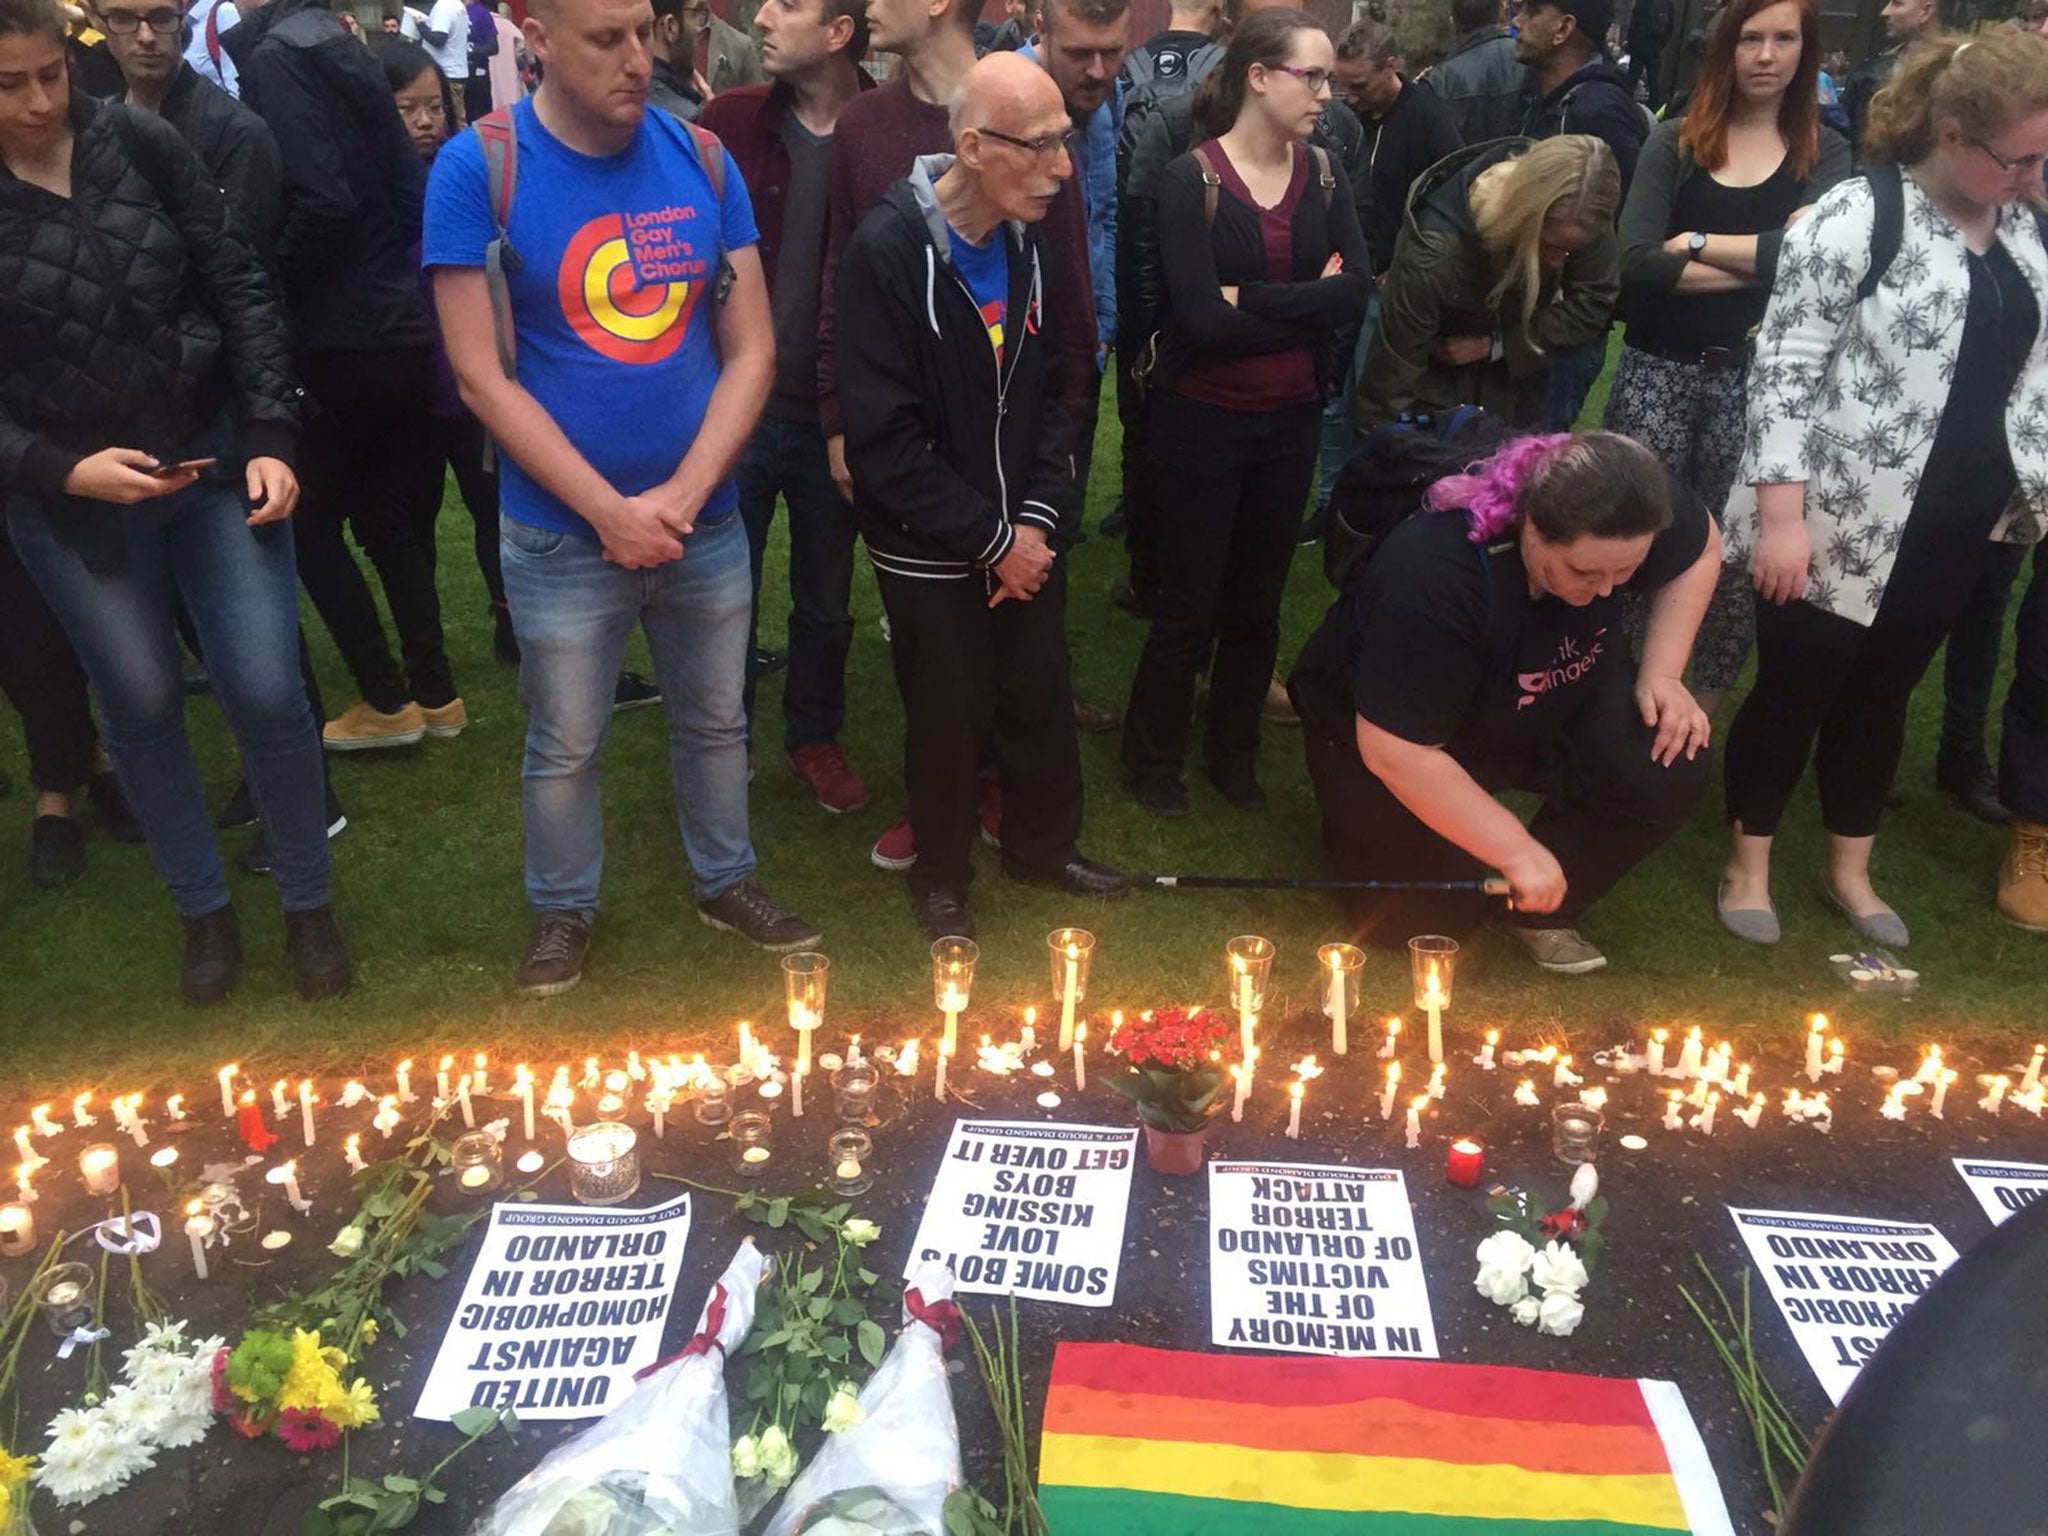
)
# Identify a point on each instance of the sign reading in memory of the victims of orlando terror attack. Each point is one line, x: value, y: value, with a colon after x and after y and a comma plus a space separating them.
x: 563, y: 1304
x: 2003, y: 1189
x: 1318, y: 1260
x: 1842, y: 1282
x: 1035, y: 1211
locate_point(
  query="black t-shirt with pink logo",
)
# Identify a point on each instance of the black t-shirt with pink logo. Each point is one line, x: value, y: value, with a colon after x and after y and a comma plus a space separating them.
x: 1443, y: 645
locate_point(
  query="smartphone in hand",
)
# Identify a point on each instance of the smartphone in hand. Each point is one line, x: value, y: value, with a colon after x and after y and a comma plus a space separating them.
x: 167, y: 467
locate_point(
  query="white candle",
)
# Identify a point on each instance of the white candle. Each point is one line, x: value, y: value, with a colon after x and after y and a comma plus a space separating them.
x: 1436, y: 1081
x: 796, y: 1091
x: 853, y: 1048
x: 1415, y: 1120
x: 1657, y: 1039
x: 634, y: 1070
x: 352, y: 1149
x: 25, y: 1146
x: 951, y: 1007
x: 1392, y: 1044
x: 1070, y: 984
x: 1027, y: 1037
x: 462, y: 1098
x: 1835, y: 1058
x: 135, y: 1126
x: 1930, y: 1065
x: 1525, y: 1093
x: 1990, y: 1102
x: 227, y: 1088
x: 1080, y: 1056
x: 175, y: 1106
x: 523, y: 1086
x: 939, y: 1081
x: 17, y: 1229
x: 1387, y: 1093
x: 1692, y: 1055
x: 1948, y: 1075
x: 1752, y: 1113
x: 1740, y: 1086
x: 1563, y: 1076
x: 80, y: 1116
x: 1433, y: 1003
x: 287, y: 1174
x: 198, y: 1227
x: 44, y: 1125
x: 1484, y: 1059
x: 483, y: 1074
x: 1237, y: 1102
x: 386, y: 1118
x: 1698, y: 1097
x: 2033, y: 1073
x: 1816, y: 1041
x: 1704, y: 1120
x: 280, y: 1106
x: 1244, y: 1001
x: 1593, y: 1098
x: 1339, y: 1041
x: 1294, y: 1092
x: 592, y: 1077
x: 441, y: 1078
x: 405, y: 1093
x: 1674, y: 1118
x: 306, y: 1108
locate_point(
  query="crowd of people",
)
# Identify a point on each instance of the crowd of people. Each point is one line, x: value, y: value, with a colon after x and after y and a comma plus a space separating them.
x: 268, y: 276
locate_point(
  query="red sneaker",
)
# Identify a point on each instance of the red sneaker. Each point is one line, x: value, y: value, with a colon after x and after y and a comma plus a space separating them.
x: 992, y: 812
x: 895, y: 849
x: 830, y: 776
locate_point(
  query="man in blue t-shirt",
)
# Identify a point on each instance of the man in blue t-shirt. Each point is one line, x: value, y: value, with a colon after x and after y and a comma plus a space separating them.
x: 644, y: 352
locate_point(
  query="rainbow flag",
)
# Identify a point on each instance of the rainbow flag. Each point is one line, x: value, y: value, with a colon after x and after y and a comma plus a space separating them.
x: 1157, y: 1442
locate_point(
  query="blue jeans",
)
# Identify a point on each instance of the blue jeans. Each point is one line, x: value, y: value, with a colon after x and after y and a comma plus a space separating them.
x: 1572, y: 377
x: 1340, y: 435
x: 572, y: 611
x: 787, y: 455
x: 114, y: 576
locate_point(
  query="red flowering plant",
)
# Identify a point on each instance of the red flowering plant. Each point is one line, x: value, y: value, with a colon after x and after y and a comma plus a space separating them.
x: 1173, y: 1072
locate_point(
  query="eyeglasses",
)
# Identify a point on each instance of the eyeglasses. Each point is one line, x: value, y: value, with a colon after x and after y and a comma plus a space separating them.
x: 126, y: 23
x: 423, y: 111
x: 2031, y: 164
x: 1043, y: 148
x: 1317, y: 80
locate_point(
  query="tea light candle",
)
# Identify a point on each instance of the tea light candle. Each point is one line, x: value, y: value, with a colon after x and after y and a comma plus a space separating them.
x: 604, y: 1168
x: 1080, y: 1056
x: 1464, y: 1161
x: 352, y: 1150
x: 1657, y: 1039
x: 753, y: 1138
x: 1835, y: 1058
x: 530, y: 1162
x: 174, y: 1106
x: 386, y: 1119
x: 1484, y: 1060
x: 478, y: 1162
x: 1415, y: 1106
x: 1392, y: 1043
x: 17, y: 1229
x: 226, y: 1075
x: 1948, y: 1075
x: 100, y: 1166
x: 849, y: 1152
x: 1674, y: 1111
x: 198, y: 1227
x: 163, y: 1157
x: 1387, y: 1093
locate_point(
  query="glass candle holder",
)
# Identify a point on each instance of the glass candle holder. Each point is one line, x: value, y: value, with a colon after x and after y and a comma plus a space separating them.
x: 64, y: 1295
x: 604, y: 1168
x: 1575, y: 1133
x: 1068, y: 951
x: 1431, y: 960
x: 849, y: 1152
x: 17, y: 1229
x: 804, y: 978
x: 1248, y: 961
x: 853, y: 1092
x: 1343, y: 978
x: 753, y: 1143
x: 953, y: 970
x: 1464, y: 1162
x: 478, y: 1161
x: 714, y: 1101
x: 100, y: 1166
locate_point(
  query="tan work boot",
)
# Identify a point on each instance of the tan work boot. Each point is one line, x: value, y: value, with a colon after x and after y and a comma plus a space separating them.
x: 362, y: 725
x: 445, y: 720
x: 2023, y: 878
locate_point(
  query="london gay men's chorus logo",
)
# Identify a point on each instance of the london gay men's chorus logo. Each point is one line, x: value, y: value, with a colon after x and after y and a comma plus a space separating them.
x: 629, y: 284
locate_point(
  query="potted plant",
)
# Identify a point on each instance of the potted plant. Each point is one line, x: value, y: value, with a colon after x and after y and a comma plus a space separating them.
x: 1173, y: 1074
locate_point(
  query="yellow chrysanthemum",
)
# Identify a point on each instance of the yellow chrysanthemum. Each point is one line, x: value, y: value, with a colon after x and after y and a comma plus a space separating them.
x: 366, y: 1335
x: 357, y: 1407
x: 14, y: 1471
x: 314, y: 1380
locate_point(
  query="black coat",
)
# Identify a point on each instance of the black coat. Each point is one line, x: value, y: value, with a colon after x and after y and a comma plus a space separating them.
x: 1595, y: 98
x: 353, y: 183
x: 1484, y: 85
x: 237, y: 149
x: 132, y: 310
x: 1416, y: 132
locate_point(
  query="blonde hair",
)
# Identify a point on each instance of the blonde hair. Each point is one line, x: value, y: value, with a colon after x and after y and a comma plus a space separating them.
x: 1983, y: 83
x: 1571, y: 178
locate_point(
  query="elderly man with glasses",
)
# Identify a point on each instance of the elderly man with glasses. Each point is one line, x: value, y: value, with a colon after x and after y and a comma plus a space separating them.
x: 957, y: 445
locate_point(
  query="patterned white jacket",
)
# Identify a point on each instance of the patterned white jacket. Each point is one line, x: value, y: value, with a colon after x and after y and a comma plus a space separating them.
x: 1846, y: 396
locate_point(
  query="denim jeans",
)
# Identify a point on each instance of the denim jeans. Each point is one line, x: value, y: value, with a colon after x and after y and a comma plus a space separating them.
x: 572, y: 611
x: 1340, y: 435
x: 114, y: 576
x: 1572, y: 376
x: 787, y: 456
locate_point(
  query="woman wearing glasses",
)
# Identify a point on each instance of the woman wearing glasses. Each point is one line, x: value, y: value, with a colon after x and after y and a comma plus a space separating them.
x: 1706, y: 217
x: 1898, y: 418
x: 1264, y: 266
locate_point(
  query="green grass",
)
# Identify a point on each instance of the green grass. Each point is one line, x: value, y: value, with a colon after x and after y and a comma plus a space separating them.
x: 428, y: 886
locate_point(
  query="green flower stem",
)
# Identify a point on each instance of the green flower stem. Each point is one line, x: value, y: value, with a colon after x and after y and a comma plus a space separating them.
x: 709, y: 1189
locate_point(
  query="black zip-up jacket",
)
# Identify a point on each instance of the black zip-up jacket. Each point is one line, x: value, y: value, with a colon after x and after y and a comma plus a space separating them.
x: 1416, y: 132
x: 1595, y: 98
x: 948, y: 450
x: 238, y: 150
x: 353, y: 184
x: 133, y: 310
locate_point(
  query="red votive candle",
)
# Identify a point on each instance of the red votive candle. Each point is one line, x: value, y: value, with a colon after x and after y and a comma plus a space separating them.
x: 1464, y: 1161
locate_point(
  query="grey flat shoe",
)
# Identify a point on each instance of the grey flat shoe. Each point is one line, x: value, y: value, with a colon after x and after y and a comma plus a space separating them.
x: 1753, y: 925
x: 1885, y: 929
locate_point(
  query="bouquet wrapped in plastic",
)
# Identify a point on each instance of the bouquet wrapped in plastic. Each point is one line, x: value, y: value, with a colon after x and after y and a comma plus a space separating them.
x: 889, y: 1474
x: 660, y: 1463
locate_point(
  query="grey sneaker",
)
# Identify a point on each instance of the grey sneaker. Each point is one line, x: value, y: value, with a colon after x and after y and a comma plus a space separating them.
x: 1561, y: 951
x: 749, y: 911
x: 554, y: 958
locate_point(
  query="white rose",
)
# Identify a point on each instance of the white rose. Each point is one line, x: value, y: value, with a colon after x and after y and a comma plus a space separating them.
x: 1585, y: 1185
x: 1506, y: 1250
x: 746, y: 1457
x: 1502, y: 1287
x: 778, y: 1456
x: 1526, y: 1311
x: 843, y: 1410
x: 348, y: 1242
x: 860, y: 1231
x: 1557, y: 1268
x: 1560, y: 1314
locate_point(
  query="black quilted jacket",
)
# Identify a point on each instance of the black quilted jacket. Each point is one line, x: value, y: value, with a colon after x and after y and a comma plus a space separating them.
x: 130, y: 313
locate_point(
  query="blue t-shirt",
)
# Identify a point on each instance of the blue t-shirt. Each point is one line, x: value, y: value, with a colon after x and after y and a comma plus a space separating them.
x: 612, y: 301
x: 986, y: 271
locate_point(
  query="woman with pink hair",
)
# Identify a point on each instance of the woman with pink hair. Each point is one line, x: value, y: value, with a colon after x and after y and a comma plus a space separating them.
x: 1482, y: 650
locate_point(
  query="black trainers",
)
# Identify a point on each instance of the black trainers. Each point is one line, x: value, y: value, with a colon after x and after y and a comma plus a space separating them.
x: 554, y: 956
x: 749, y: 911
x: 1239, y: 784
x: 56, y: 852
x: 318, y: 954
x: 255, y: 859
x: 1163, y: 794
x: 110, y: 802
x: 213, y: 957
x: 767, y: 661
x: 632, y: 691
x: 504, y: 643
x: 240, y: 811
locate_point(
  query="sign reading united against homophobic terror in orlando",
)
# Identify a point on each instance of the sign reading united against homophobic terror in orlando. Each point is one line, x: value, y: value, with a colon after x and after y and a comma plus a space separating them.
x: 1034, y: 1210
x: 1842, y: 1282
x: 1319, y: 1260
x: 562, y: 1306
x: 2003, y: 1189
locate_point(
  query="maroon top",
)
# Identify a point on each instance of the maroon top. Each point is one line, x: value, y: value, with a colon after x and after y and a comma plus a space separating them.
x: 1255, y: 381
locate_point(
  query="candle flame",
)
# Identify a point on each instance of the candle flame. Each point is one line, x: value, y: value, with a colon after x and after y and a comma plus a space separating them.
x: 1073, y: 951
x: 194, y: 1207
x: 1393, y: 1073
x: 1660, y: 1035
x: 1417, y: 1104
x: 174, y: 1103
x: 248, y: 1097
x: 1294, y: 1090
x: 1493, y: 1037
x: 1308, y: 1067
x: 1834, y: 1047
x: 1818, y: 1023
x: 447, y: 1062
x: 1030, y: 1019
x: 1693, y: 1034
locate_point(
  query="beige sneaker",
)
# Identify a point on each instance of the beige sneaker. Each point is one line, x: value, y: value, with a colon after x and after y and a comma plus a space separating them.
x: 1561, y: 951
x: 363, y: 726
x: 445, y: 720
x: 2023, y: 878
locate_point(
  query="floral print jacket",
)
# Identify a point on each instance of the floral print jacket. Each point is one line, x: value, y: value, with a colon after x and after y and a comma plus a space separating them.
x: 1846, y: 396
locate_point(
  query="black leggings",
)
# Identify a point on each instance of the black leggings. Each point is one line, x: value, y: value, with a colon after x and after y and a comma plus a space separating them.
x: 41, y: 676
x: 461, y: 442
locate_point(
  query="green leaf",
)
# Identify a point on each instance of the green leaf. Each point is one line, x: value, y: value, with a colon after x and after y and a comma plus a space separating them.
x: 398, y: 1484
x: 433, y: 1496
x: 433, y: 1269
x: 819, y: 1307
x: 838, y: 1350
x: 846, y: 1312
x: 319, y: 1522
x: 868, y: 1277
x: 778, y: 1213
x: 873, y: 1342
x: 810, y: 1280
x: 791, y: 1391
x: 1596, y: 1210
x: 476, y: 1422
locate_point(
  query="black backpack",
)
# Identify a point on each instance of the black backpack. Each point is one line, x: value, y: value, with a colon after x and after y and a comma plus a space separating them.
x: 1888, y: 223
x: 1383, y: 481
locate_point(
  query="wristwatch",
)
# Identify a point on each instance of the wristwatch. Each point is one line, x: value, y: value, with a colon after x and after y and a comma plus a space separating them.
x: 1696, y: 244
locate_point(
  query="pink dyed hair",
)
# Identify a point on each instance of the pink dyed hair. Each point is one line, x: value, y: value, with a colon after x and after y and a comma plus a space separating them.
x: 1490, y: 492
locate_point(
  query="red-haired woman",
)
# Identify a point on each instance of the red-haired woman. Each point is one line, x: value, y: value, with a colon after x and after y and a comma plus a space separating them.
x: 1712, y: 197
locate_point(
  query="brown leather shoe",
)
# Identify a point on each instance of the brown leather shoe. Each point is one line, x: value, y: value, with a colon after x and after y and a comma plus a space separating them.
x: 1093, y: 718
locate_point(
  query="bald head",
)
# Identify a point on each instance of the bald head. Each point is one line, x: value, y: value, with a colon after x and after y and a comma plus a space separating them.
x: 1010, y: 129
x: 1001, y: 89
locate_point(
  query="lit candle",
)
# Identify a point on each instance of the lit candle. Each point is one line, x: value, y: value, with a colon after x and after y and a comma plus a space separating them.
x: 939, y: 1081
x: 1244, y: 1005
x: 1930, y: 1065
x: 17, y: 1229
x: 1894, y: 1106
x: 462, y: 1098
x: 287, y: 1174
x: 25, y: 1183
x: 1484, y: 1060
x: 1740, y: 1086
x: 1562, y: 1076
x: 1295, y: 1090
x: 1462, y: 1164
x: 951, y: 1006
x: 352, y: 1149
x: 1795, y: 1104
x: 256, y: 1136
x: 1594, y: 1099
x: 1415, y: 1120
x: 405, y: 1093
x: 227, y: 1089
x: 441, y: 1078
x: 906, y: 1059
x: 1657, y: 1039
x: 24, y: 1145
x: 1692, y: 1054
x: 280, y: 1106
x: 1990, y: 1102
x: 44, y: 1125
x: 1753, y: 1113
x: 1339, y: 1042
x: 796, y: 1093
x: 2033, y: 1073
x: 1387, y: 1093
x: 386, y: 1119
x: 523, y: 1086
x: 1070, y: 987
x: 136, y: 1128
x: 100, y: 1167
x: 592, y: 1077
x: 1948, y: 1075
x: 1080, y: 1056
x: 1525, y: 1093
x: 1835, y: 1056
x: 198, y: 1227
x: 1698, y: 1097
x: 1816, y: 1042
x: 1674, y: 1116
x: 1237, y: 1103
x: 80, y: 1117
x: 1433, y: 1004
x: 634, y: 1070
x: 803, y: 1021
x: 483, y: 1075
x: 175, y: 1107
x: 1392, y: 1044
x: 306, y: 1108
x: 1703, y: 1122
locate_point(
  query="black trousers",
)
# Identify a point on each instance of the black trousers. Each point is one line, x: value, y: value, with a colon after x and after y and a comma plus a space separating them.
x: 41, y: 676
x: 1607, y: 806
x: 370, y: 461
x: 1084, y: 448
x: 1836, y: 691
x: 461, y: 442
x: 2023, y: 753
x: 1970, y: 667
x: 1230, y: 487
x: 974, y: 676
x: 1134, y: 410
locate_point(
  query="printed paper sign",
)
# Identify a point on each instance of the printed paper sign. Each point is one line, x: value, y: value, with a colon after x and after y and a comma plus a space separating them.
x: 1317, y: 1260
x: 1034, y: 1210
x: 1842, y: 1283
x: 2004, y: 1188
x: 562, y: 1306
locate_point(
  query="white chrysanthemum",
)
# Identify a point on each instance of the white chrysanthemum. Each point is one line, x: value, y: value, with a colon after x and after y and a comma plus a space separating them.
x: 1526, y: 1311
x: 184, y: 1423
x: 1561, y: 1314
x: 90, y: 1454
x: 1557, y: 1268
x: 1506, y: 1250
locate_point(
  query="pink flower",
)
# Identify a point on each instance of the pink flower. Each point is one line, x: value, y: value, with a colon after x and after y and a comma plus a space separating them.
x: 224, y: 1401
x: 303, y: 1430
